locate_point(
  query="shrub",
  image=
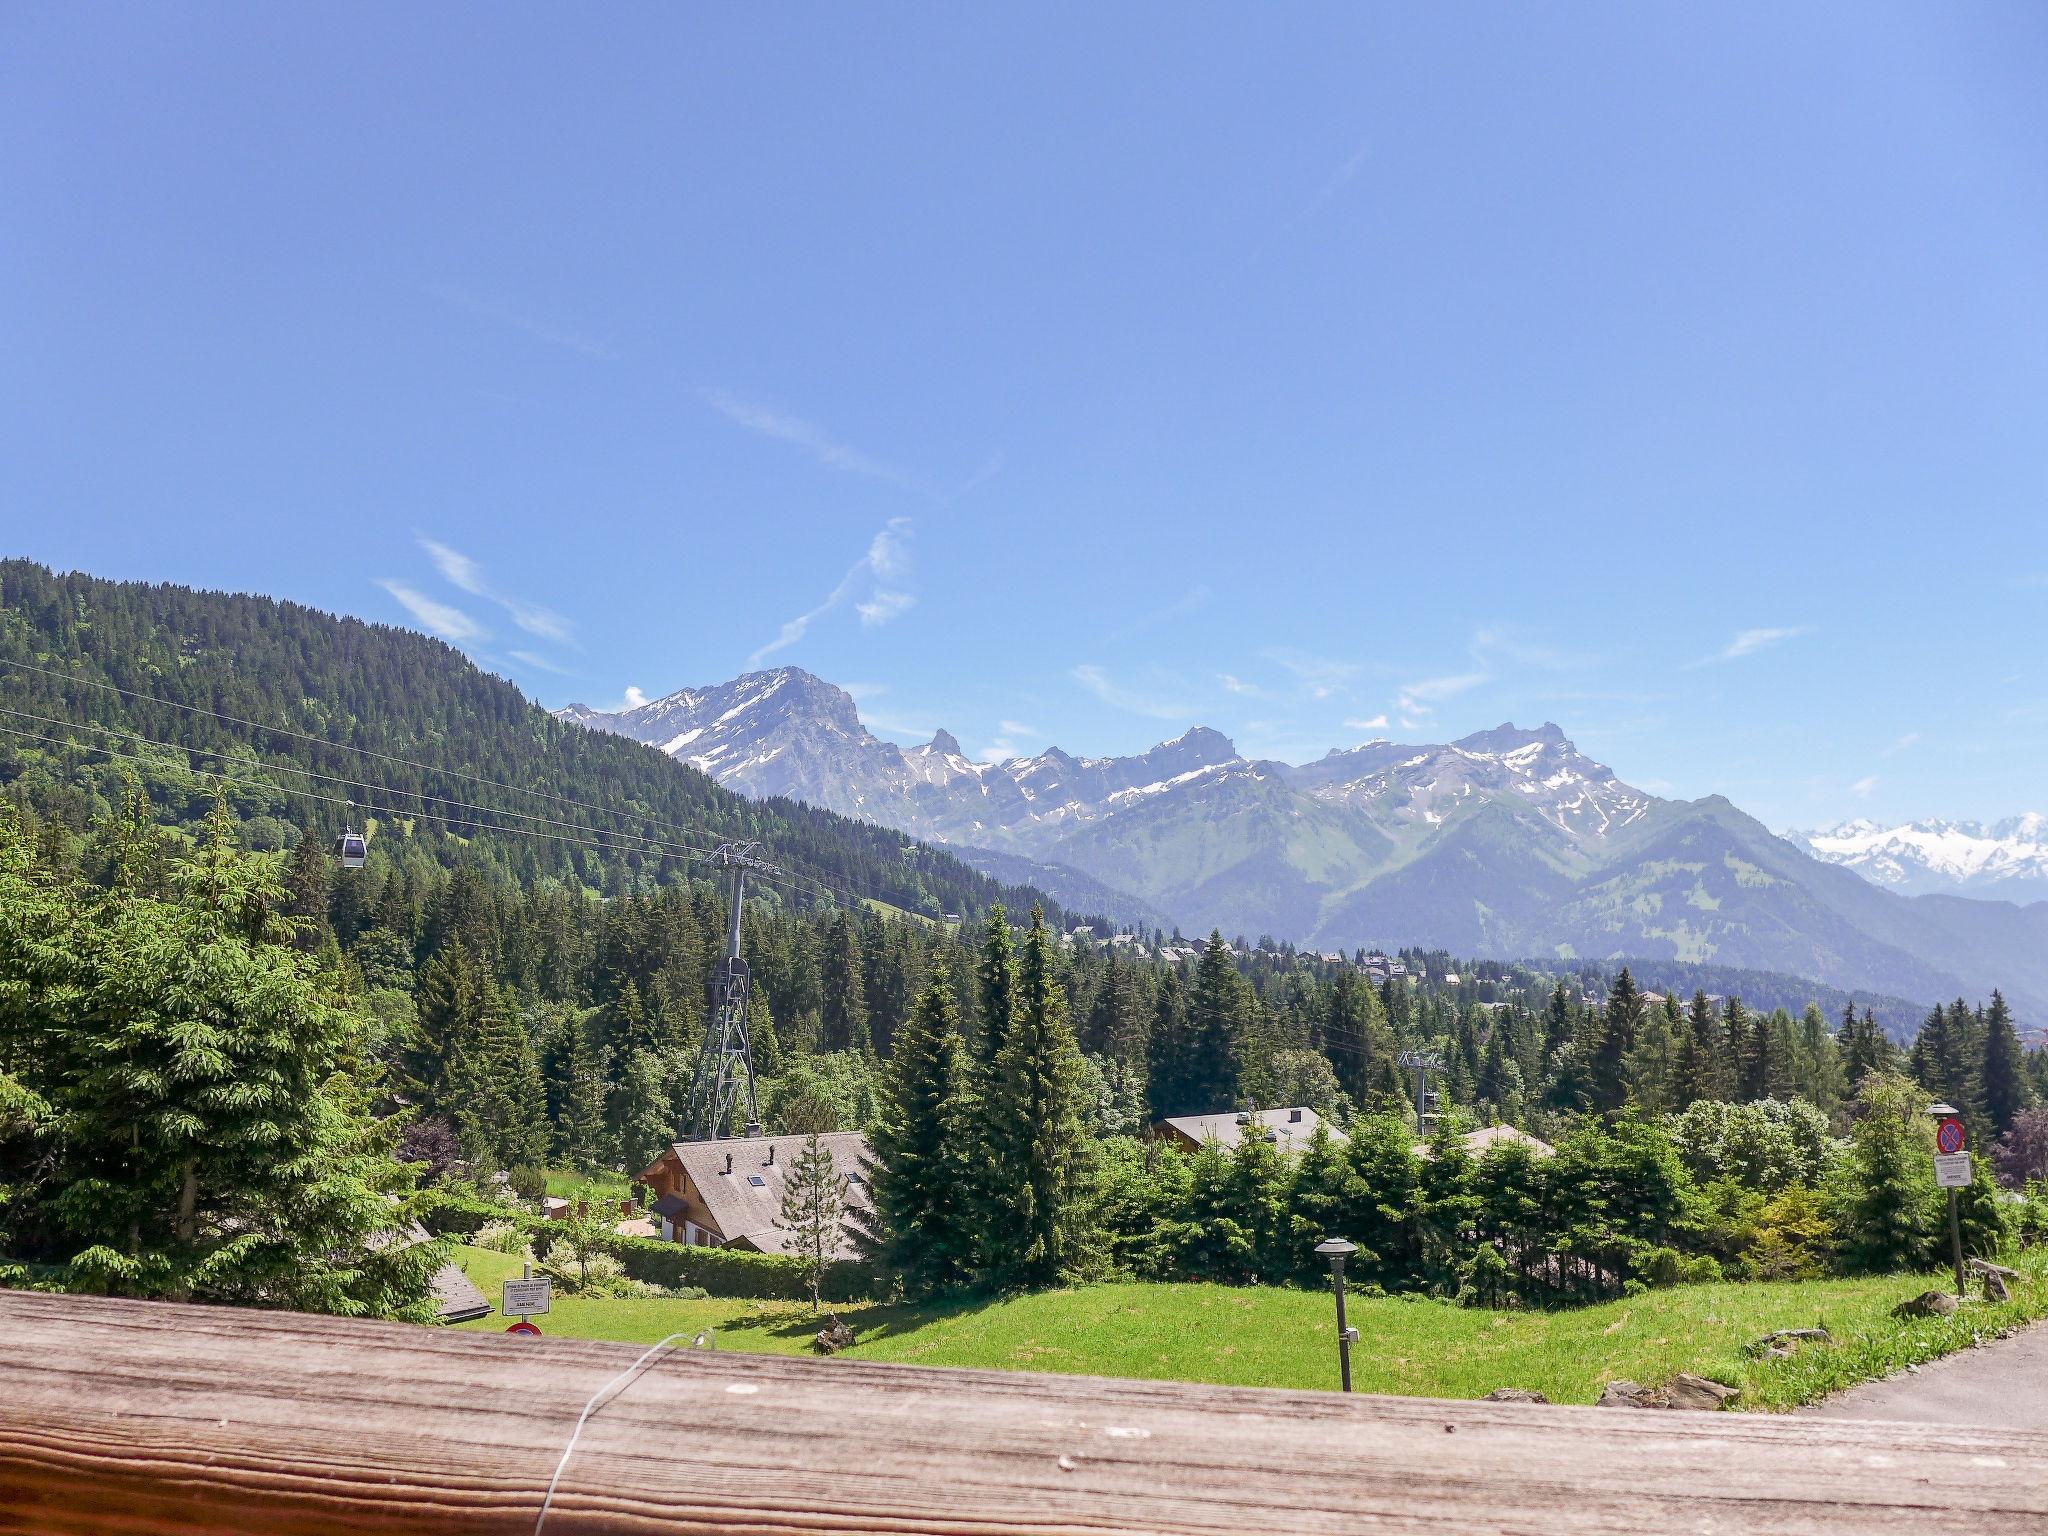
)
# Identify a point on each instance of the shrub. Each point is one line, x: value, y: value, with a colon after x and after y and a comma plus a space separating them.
x: 736, y: 1272
x: 1795, y: 1239
x: 529, y: 1183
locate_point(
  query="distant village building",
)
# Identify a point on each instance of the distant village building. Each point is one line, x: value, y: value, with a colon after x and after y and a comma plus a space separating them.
x: 1478, y: 1143
x: 1287, y: 1129
x: 728, y: 1193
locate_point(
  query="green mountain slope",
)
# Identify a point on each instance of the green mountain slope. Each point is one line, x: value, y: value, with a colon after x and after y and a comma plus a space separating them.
x: 188, y: 658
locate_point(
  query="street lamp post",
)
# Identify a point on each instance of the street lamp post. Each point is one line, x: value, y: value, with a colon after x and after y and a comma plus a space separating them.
x: 1336, y: 1250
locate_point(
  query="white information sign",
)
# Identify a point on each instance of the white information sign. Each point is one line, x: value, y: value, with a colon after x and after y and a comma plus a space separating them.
x: 527, y: 1298
x: 1952, y: 1170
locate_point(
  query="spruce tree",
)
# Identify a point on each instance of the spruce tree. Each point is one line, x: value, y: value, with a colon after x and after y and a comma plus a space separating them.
x: 2004, y: 1072
x: 580, y: 1130
x: 1618, y: 1025
x: 203, y: 1125
x: 813, y: 1211
x: 918, y: 1226
x: 1167, y: 1056
x: 845, y: 1001
x: 997, y: 998
x: 1216, y: 1019
x: 1033, y: 1115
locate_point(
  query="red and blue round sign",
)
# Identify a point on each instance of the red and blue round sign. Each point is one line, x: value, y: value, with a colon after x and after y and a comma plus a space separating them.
x: 523, y: 1326
x: 1949, y: 1135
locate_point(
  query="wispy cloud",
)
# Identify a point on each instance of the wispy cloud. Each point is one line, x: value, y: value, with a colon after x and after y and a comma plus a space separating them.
x: 882, y: 570
x: 1340, y: 178
x: 439, y: 618
x: 540, y: 663
x: 766, y: 421
x: 1864, y: 787
x: 1194, y: 600
x: 1098, y: 682
x: 1376, y: 723
x: 1749, y: 641
x: 541, y: 330
x: 1321, y: 676
x: 1910, y: 739
x: 459, y: 570
x: 1238, y: 685
x: 1422, y: 696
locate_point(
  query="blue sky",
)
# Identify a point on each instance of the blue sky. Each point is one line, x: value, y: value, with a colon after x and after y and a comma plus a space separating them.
x: 1082, y: 373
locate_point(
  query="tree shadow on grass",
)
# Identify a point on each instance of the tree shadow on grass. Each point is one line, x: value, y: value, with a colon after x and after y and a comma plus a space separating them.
x: 871, y: 1322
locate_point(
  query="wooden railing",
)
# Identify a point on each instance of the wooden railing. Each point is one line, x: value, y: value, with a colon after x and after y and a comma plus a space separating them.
x: 136, y: 1419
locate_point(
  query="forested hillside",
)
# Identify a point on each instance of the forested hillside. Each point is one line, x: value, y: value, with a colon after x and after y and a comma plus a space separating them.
x: 451, y: 764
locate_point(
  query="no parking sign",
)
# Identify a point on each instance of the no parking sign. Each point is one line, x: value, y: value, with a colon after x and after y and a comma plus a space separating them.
x: 1950, y: 1137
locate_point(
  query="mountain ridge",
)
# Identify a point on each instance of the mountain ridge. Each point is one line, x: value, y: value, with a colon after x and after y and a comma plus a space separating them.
x: 1504, y: 843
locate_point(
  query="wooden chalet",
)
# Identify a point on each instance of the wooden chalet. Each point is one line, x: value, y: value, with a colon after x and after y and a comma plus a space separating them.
x: 728, y: 1193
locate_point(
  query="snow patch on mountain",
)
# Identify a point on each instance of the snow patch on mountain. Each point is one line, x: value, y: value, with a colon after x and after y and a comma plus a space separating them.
x: 2004, y: 858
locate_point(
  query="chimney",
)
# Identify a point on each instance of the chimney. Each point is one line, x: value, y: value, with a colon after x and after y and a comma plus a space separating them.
x: 728, y: 1162
x: 1294, y: 1117
x: 771, y: 1154
x: 583, y: 1210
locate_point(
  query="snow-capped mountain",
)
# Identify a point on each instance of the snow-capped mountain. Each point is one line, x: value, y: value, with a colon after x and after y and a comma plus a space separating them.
x: 1504, y: 844
x: 786, y: 732
x: 2006, y: 859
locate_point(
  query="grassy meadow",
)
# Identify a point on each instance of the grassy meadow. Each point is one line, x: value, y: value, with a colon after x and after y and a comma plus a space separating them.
x: 1274, y: 1337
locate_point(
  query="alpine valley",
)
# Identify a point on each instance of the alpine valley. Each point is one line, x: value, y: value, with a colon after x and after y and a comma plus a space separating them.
x: 1506, y: 844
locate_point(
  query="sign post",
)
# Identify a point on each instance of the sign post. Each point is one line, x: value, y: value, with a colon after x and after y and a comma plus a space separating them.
x: 1952, y: 1172
x: 529, y: 1297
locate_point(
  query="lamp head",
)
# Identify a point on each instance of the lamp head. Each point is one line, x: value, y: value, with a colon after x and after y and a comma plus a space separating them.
x: 1336, y: 1248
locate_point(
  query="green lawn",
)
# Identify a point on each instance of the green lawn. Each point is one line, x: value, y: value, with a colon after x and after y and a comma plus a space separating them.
x: 1414, y: 1347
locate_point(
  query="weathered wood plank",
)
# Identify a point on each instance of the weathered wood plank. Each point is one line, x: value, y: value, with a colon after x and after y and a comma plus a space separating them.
x: 140, y: 1419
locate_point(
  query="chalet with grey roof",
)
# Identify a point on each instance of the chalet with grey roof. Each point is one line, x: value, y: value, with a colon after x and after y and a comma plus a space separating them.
x: 1288, y: 1129
x: 728, y: 1193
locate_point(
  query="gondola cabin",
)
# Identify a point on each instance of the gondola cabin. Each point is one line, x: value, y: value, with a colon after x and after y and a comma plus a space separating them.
x: 353, y: 849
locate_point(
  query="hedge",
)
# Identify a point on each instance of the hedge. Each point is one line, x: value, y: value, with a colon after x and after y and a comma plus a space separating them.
x: 737, y: 1271
x: 720, y: 1271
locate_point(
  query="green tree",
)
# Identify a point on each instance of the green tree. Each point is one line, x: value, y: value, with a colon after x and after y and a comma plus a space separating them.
x: 845, y: 1004
x: 1032, y: 1118
x: 205, y: 1136
x: 813, y: 1211
x: 2003, y: 1075
x: 1887, y: 1203
x: 1619, y: 1022
x: 917, y: 1225
x: 1216, y: 1019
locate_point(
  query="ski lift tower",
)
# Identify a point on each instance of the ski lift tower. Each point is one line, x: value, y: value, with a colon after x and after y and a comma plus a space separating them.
x: 1422, y: 1063
x: 728, y: 1059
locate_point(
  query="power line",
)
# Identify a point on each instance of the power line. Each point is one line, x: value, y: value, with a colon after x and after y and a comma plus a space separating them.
x: 307, y: 794
x: 793, y: 882
x: 386, y: 757
x: 423, y: 796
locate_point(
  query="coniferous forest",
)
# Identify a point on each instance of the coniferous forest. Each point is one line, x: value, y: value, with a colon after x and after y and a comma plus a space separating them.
x: 225, y: 1062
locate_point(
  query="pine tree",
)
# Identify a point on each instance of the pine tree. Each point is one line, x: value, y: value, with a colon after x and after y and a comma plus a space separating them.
x: 2004, y: 1072
x: 494, y: 1085
x: 813, y: 1212
x: 306, y: 885
x: 580, y: 1131
x: 1040, y: 1234
x: 845, y: 1001
x: 1737, y: 1037
x: 917, y: 1225
x: 1701, y: 1056
x: 1817, y: 1074
x: 1618, y: 1025
x: 209, y: 1137
x: 1167, y: 1056
x: 1216, y: 1019
x: 997, y: 998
